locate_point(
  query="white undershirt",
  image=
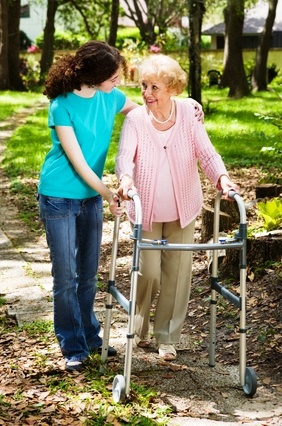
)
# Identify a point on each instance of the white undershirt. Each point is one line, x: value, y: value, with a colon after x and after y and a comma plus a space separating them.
x: 165, y: 207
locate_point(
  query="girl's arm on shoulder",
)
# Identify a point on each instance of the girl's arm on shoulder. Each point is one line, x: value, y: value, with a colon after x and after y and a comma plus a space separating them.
x: 199, y: 113
x: 73, y: 151
x: 128, y: 106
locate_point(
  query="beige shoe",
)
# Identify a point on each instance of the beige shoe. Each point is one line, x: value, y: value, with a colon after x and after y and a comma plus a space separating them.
x: 167, y: 352
x: 142, y: 342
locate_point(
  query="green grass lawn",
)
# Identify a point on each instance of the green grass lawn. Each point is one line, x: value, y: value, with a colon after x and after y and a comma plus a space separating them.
x: 239, y: 129
x: 236, y: 129
x: 11, y: 102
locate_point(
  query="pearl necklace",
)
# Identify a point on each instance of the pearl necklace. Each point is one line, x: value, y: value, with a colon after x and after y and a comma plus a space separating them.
x: 169, y: 117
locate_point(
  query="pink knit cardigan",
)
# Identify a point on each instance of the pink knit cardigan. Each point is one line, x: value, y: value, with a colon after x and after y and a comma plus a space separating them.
x: 187, y: 146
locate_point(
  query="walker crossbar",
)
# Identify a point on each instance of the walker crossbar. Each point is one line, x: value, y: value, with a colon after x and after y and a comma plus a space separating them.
x: 120, y: 298
x: 226, y: 293
x: 121, y: 384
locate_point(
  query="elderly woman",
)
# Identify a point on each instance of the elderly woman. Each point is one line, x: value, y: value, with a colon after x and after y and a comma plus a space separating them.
x: 160, y: 147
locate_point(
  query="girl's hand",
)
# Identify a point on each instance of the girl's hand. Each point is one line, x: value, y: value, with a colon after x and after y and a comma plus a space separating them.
x: 116, y: 206
x: 199, y: 113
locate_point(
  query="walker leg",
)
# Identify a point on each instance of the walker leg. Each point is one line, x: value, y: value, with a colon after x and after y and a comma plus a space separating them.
x: 214, y: 278
x: 212, y: 342
x: 247, y: 375
x: 106, y: 334
x: 130, y: 334
x: 109, y: 306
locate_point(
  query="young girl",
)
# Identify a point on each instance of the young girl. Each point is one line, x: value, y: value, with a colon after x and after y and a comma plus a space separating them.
x: 84, y: 102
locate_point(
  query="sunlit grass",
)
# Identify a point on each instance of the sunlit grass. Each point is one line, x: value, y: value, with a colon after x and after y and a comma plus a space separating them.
x: 10, y: 102
x: 235, y: 128
x: 233, y: 125
x: 27, y: 148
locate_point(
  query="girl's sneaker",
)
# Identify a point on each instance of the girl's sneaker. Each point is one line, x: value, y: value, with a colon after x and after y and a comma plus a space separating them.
x: 74, y: 365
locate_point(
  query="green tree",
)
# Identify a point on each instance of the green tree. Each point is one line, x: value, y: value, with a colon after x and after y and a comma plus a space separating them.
x: 259, y: 77
x: 153, y: 17
x: 78, y: 16
x: 91, y: 18
x: 14, y: 13
x: 114, y: 22
x: 48, y: 39
x: 196, y: 10
x: 234, y: 75
x: 10, y: 78
x: 4, y: 64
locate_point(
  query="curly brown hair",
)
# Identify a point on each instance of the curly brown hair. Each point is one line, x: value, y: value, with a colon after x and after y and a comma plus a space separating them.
x: 93, y: 63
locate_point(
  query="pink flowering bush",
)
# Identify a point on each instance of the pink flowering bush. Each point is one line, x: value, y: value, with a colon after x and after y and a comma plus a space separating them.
x: 33, y: 49
x: 155, y: 49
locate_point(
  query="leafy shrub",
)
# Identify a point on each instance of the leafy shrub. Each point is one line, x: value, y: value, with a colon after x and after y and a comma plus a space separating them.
x: 127, y: 36
x: 272, y: 154
x: 272, y: 72
x: 64, y: 40
x: 271, y: 212
x: 30, y: 72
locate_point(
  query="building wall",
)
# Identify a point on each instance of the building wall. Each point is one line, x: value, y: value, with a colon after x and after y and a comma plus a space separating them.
x: 34, y: 24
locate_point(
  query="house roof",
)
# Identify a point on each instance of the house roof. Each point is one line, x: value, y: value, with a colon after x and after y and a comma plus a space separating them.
x: 254, y: 20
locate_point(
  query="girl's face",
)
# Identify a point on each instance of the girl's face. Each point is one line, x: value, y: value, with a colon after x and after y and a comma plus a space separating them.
x: 155, y: 94
x: 108, y: 85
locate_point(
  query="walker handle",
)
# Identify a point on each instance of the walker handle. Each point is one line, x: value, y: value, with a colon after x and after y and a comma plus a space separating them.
x: 232, y: 193
x: 131, y: 193
x: 138, y: 208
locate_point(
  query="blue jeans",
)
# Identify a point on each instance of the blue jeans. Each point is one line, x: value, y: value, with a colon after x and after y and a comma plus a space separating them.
x: 74, y: 232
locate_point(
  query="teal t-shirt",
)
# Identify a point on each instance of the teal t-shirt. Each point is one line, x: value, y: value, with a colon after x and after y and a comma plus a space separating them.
x: 92, y: 120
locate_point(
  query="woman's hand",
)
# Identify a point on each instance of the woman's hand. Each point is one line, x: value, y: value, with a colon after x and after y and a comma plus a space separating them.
x: 226, y: 185
x: 126, y: 183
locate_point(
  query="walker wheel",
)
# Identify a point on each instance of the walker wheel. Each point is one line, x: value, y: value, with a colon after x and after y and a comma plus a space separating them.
x: 118, y: 388
x: 250, y: 386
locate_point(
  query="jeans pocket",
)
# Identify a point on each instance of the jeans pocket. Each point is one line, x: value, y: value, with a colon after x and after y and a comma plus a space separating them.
x: 54, y: 207
x: 99, y: 203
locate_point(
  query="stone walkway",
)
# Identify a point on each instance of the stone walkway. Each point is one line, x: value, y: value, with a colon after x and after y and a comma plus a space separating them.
x: 25, y: 280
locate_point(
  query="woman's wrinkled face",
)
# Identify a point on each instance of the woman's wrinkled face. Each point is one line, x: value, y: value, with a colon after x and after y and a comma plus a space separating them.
x: 108, y: 85
x: 155, y: 93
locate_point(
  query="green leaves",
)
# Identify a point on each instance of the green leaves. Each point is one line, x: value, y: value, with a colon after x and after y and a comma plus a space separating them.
x: 271, y: 212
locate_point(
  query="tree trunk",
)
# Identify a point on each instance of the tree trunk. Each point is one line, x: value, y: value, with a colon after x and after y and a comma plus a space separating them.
x: 114, y: 22
x: 259, y: 77
x: 259, y: 251
x: 14, y: 12
x: 234, y: 75
x: 146, y: 27
x: 268, y: 190
x: 229, y: 218
x: 4, y: 65
x: 196, y: 12
x: 48, y: 41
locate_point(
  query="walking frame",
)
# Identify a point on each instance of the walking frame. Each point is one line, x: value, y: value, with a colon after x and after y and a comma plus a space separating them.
x: 121, y: 383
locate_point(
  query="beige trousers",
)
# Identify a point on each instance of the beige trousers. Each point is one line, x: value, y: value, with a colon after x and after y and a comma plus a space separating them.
x: 169, y: 273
